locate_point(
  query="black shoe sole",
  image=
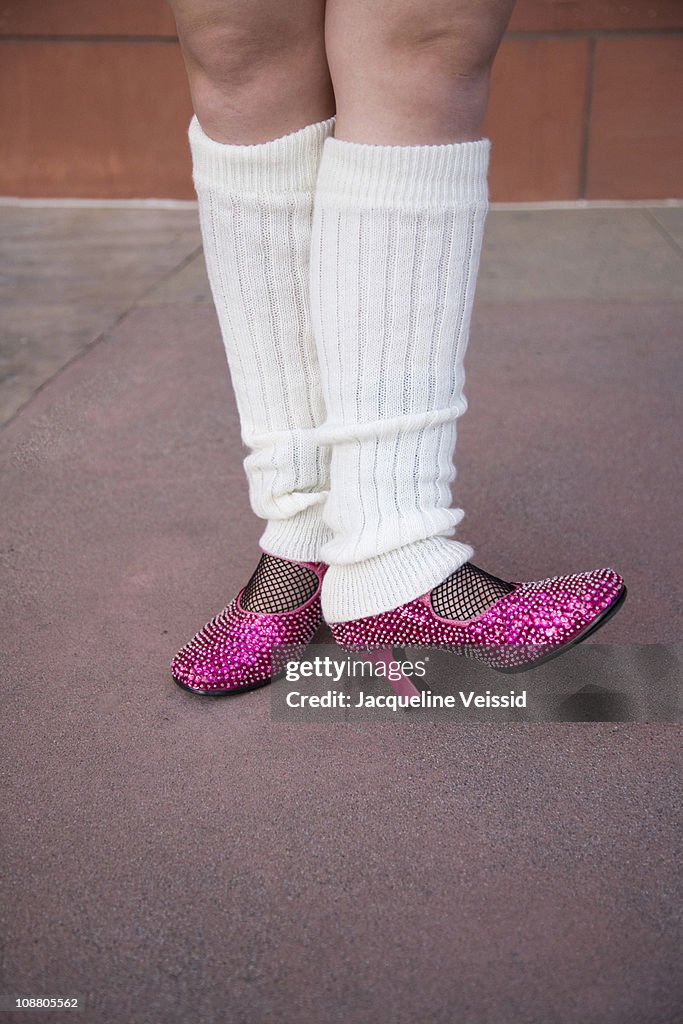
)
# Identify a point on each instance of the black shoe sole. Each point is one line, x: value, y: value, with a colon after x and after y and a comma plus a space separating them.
x: 226, y: 693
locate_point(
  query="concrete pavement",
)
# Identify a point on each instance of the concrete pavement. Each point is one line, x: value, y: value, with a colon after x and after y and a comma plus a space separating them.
x: 171, y: 859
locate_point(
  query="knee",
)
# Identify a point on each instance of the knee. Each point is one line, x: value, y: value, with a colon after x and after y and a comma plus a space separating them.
x: 461, y: 47
x: 252, y: 76
x: 228, y: 57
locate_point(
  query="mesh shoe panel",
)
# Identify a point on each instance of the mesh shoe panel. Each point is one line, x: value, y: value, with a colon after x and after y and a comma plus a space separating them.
x: 278, y: 586
x: 468, y: 592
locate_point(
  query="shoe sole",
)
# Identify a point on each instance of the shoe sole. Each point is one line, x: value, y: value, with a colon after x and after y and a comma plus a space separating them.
x: 226, y: 693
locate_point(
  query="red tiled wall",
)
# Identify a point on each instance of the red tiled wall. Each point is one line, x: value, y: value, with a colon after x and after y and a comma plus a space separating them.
x: 636, y: 124
x: 585, y: 101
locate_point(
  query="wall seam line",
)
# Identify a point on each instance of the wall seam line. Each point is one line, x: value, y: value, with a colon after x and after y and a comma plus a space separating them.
x: 587, y: 116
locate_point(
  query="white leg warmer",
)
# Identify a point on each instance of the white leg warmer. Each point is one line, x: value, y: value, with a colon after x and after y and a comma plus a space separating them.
x: 397, y: 234
x: 255, y: 209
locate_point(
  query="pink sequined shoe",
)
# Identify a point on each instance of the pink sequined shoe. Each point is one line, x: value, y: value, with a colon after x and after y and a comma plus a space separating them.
x: 527, y: 626
x: 234, y: 651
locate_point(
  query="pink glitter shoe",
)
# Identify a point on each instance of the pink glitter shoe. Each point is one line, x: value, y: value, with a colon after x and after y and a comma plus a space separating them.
x: 532, y: 623
x: 232, y: 653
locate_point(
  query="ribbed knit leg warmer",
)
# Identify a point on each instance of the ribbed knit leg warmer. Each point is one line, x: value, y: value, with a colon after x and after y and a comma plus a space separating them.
x: 397, y: 233
x: 255, y: 209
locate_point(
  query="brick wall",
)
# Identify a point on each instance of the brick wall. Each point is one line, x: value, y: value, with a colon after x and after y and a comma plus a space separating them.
x: 586, y: 101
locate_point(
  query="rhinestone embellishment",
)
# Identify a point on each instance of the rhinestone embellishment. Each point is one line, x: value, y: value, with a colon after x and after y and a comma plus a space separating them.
x: 518, y: 630
x: 234, y: 650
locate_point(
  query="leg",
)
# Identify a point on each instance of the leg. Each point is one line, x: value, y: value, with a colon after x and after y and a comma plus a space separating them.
x: 409, y: 73
x: 401, y: 200
x: 257, y: 70
x: 260, y: 87
x: 397, y: 235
